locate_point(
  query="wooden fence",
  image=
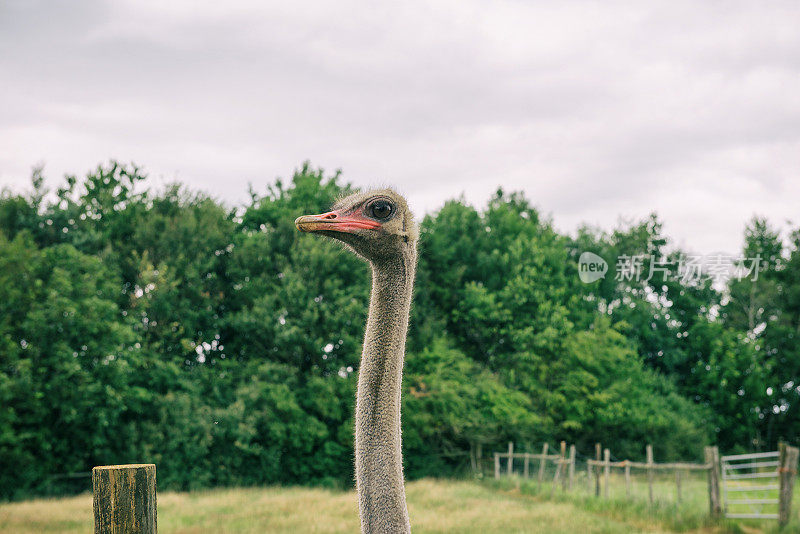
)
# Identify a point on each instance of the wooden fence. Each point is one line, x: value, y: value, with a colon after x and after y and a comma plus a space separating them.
x: 651, y: 467
x: 540, y: 460
x: 598, y: 471
x: 124, y: 496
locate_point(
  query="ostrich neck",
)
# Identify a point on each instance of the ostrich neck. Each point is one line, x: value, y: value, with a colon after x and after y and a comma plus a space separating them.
x: 379, y: 462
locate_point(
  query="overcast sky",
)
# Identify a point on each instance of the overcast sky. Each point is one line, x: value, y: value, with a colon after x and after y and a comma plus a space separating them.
x: 596, y: 110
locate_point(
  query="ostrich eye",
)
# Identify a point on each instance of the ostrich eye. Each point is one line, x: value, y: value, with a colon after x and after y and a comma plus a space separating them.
x: 380, y: 209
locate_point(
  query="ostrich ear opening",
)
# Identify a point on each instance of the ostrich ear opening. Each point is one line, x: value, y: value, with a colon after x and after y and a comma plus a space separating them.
x: 335, y: 221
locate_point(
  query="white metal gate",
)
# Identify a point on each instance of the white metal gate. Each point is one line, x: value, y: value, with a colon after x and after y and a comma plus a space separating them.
x: 750, y: 484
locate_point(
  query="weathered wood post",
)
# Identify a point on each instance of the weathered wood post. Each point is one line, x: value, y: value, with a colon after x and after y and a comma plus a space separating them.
x: 542, y: 461
x: 526, y: 466
x: 571, y: 465
x: 510, y: 457
x: 787, y: 471
x: 559, y: 467
x: 497, y: 465
x: 627, y: 478
x: 649, y: 452
x: 473, y: 464
x: 712, y: 460
x: 563, y: 466
x: 597, y: 470
x: 606, y: 471
x: 124, y: 499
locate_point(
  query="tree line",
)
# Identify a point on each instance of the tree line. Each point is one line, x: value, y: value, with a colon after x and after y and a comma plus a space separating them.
x: 165, y: 326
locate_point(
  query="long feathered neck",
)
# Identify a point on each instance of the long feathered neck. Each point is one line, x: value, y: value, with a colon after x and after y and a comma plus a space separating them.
x: 379, y: 461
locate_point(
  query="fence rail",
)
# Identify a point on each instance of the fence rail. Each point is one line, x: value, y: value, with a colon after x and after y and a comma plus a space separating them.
x: 565, y: 465
x: 644, y: 465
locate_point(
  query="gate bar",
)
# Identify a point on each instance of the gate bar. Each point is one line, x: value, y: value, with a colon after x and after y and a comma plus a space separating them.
x: 773, y: 454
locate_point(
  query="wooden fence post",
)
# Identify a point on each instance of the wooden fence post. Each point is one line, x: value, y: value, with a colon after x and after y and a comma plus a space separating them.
x: 124, y: 499
x: 563, y: 464
x: 526, y: 466
x: 510, y: 458
x: 497, y: 465
x: 557, y: 476
x: 649, y: 452
x: 787, y: 471
x: 597, y: 470
x: 571, y: 465
x: 606, y: 471
x: 712, y: 459
x: 542, y: 461
x: 627, y: 478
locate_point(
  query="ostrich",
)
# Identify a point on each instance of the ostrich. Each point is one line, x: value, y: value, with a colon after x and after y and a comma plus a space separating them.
x: 379, y: 227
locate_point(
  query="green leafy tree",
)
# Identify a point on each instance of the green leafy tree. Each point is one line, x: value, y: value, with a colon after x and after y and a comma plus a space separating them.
x: 64, y: 364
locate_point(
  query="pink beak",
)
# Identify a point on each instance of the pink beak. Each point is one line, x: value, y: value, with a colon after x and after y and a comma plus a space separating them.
x: 334, y: 221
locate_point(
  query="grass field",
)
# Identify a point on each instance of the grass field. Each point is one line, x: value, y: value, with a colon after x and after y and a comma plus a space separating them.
x: 668, y: 514
x: 507, y: 506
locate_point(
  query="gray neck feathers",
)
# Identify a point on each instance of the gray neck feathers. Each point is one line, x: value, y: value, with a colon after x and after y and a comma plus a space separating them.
x: 379, y: 462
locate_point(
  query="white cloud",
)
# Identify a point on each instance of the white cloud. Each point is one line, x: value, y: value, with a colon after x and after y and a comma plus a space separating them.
x: 596, y: 110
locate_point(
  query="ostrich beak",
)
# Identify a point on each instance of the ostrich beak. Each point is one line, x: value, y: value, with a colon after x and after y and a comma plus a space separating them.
x: 334, y: 221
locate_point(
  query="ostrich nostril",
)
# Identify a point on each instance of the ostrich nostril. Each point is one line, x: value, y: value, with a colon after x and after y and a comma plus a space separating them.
x: 329, y: 216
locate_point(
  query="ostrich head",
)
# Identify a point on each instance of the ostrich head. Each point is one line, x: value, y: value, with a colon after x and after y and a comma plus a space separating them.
x: 377, y: 225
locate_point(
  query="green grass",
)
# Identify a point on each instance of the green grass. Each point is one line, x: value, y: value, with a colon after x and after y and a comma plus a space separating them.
x: 509, y: 505
x: 689, y: 514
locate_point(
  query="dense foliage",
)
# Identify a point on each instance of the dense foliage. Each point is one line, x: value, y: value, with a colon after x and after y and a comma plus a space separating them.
x: 222, y: 345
